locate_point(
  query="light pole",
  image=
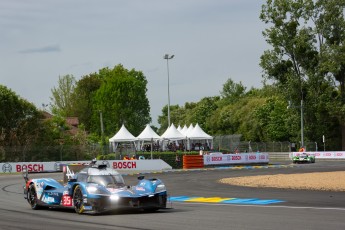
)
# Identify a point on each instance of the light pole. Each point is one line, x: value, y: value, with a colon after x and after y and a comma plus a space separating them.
x: 167, y: 57
x: 302, y: 124
x: 102, y: 130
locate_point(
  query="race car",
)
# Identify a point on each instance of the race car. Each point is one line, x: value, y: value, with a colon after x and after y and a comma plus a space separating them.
x: 303, y: 158
x: 95, y: 189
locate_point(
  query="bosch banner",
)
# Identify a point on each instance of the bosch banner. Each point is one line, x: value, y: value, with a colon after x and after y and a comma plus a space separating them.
x: 119, y: 165
x: 243, y: 158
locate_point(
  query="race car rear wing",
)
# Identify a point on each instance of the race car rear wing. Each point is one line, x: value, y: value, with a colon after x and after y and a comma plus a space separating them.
x: 70, y: 170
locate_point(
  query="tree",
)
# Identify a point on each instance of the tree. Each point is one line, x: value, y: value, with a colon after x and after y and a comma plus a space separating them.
x: 83, y: 97
x: 19, y: 122
x: 203, y: 111
x: 274, y: 120
x: 62, y: 96
x: 122, y: 99
x: 177, y: 115
x: 232, y: 91
x: 302, y: 36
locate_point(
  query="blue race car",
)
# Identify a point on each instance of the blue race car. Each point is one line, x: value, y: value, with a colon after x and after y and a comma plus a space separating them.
x: 95, y: 189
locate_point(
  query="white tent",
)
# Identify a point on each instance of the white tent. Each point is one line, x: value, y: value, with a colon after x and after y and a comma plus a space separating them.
x: 179, y: 128
x: 184, y: 130
x: 198, y: 134
x: 148, y: 135
x: 190, y: 129
x: 173, y: 134
x: 123, y: 135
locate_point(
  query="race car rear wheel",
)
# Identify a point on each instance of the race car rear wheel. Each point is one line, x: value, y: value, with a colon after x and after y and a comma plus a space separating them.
x: 32, y: 197
x: 78, y: 200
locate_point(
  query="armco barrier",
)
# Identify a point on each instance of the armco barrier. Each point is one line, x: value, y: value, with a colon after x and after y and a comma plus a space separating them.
x: 241, y: 158
x: 193, y: 161
x: 119, y: 165
x: 330, y: 155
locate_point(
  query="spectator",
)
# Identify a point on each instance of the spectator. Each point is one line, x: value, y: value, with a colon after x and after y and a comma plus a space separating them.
x: 237, y: 151
x: 177, y: 160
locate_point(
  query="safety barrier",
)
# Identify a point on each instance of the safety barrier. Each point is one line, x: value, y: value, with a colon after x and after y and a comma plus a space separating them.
x: 322, y: 155
x: 127, y: 165
x: 193, y: 161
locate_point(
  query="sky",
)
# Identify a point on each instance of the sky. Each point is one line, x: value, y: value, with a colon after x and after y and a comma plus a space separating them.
x: 211, y: 40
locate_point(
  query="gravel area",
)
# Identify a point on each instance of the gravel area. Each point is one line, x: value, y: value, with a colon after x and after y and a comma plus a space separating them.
x: 325, y: 181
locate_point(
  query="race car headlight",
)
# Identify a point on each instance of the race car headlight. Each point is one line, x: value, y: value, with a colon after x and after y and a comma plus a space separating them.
x: 91, y: 189
x: 160, y: 188
x: 114, y: 197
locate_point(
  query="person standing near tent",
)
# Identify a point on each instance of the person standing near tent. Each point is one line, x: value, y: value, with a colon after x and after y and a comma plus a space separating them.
x: 177, y: 160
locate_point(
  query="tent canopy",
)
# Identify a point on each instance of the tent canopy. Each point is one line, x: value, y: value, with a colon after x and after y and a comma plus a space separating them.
x: 198, y: 134
x: 173, y: 134
x: 148, y: 134
x: 123, y: 135
x: 189, y: 130
x: 184, y: 130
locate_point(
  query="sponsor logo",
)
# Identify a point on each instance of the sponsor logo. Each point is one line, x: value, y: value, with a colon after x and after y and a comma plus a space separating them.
x: 138, y: 188
x: 48, y: 199
x: 6, y: 168
x: 216, y: 158
x: 53, y: 194
x: 252, y: 157
x: 339, y: 154
x: 236, y: 158
x: 30, y: 167
x: 124, y: 165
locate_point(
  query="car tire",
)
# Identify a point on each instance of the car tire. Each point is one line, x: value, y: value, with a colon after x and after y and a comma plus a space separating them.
x: 78, y: 200
x: 32, y: 197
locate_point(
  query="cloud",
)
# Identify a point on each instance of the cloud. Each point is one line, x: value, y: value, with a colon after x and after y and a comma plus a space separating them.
x: 44, y: 49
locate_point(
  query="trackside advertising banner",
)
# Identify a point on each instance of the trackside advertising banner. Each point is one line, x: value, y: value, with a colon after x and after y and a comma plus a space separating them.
x: 242, y: 158
x: 119, y: 165
x: 322, y: 155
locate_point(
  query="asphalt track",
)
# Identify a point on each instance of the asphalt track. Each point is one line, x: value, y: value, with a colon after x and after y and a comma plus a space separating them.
x: 198, y: 202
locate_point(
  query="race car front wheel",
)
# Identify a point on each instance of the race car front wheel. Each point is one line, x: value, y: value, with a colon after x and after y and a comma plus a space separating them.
x: 32, y: 197
x: 78, y: 200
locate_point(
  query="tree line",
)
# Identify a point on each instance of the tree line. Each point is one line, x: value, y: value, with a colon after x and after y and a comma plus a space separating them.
x: 305, y: 63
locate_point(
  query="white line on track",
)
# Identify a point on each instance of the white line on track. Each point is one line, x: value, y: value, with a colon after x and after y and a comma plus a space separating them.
x: 265, y: 206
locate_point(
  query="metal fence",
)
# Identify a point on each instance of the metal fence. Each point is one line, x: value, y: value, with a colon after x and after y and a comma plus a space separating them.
x: 226, y: 144
x: 232, y: 143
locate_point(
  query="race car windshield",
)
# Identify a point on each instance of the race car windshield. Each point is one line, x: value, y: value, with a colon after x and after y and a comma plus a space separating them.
x: 107, y: 180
